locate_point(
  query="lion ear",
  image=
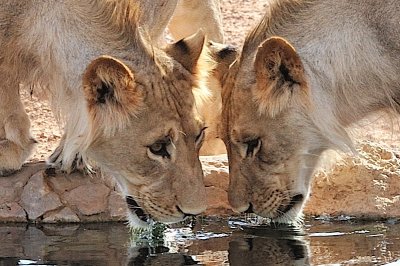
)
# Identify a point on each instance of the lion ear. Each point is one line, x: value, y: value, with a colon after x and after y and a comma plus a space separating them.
x: 224, y: 55
x: 188, y: 50
x: 110, y: 90
x: 280, y: 76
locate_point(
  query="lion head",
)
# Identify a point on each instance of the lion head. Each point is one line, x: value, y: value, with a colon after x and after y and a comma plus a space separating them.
x: 145, y: 129
x: 273, y: 146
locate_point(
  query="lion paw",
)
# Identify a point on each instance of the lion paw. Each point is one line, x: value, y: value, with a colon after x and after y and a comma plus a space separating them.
x: 67, y: 165
x: 13, y: 155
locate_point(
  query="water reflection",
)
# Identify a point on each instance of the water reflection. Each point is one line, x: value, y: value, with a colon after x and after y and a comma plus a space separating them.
x: 207, y: 242
x: 264, y: 251
x: 96, y: 244
x: 354, y: 243
x: 159, y: 256
x: 266, y: 245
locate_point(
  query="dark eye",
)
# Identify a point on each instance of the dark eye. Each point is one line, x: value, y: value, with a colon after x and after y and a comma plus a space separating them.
x: 200, y: 137
x: 159, y: 148
x: 252, y: 147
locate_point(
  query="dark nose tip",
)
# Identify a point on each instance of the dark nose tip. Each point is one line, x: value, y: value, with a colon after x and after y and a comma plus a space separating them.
x: 250, y: 209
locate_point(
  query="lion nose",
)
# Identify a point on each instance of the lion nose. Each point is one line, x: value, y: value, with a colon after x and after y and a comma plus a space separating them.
x: 250, y: 209
x: 242, y: 208
x: 189, y: 213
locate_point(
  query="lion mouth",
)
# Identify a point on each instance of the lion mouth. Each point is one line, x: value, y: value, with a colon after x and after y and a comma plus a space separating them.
x: 136, y: 209
x: 293, y: 201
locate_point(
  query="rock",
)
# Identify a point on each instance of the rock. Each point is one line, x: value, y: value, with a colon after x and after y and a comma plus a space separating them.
x: 117, y: 206
x: 217, y: 202
x: 216, y: 171
x: 12, y: 212
x: 104, y: 178
x: 216, y: 180
x: 365, y: 187
x: 66, y: 215
x: 89, y: 199
x: 37, y: 197
x: 62, y: 182
x: 9, y: 194
x: 215, y: 162
x: 11, y: 186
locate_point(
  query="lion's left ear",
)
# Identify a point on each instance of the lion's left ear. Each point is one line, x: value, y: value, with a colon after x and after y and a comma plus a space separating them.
x: 280, y: 76
x: 188, y: 50
x: 110, y: 92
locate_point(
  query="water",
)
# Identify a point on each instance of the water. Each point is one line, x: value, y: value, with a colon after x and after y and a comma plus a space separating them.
x: 206, y: 241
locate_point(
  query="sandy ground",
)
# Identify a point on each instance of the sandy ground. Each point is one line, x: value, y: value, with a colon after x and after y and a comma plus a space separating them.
x: 239, y: 16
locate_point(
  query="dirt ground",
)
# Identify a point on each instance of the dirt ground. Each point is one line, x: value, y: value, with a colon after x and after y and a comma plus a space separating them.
x: 239, y: 16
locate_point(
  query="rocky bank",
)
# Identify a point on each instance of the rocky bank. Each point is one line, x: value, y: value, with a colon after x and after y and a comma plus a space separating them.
x: 366, y: 186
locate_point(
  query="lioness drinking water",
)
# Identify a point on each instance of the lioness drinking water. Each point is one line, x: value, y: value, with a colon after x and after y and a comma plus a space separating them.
x: 127, y: 106
x: 287, y: 99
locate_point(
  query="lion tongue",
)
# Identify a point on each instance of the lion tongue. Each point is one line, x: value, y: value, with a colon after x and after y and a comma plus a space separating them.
x: 134, y: 207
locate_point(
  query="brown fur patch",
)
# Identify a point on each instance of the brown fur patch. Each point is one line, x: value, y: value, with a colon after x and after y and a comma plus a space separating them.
x: 187, y: 51
x: 280, y: 76
x: 111, y: 92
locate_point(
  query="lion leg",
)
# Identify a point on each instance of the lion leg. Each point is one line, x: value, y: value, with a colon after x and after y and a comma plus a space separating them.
x: 192, y: 15
x: 68, y: 156
x: 16, y: 142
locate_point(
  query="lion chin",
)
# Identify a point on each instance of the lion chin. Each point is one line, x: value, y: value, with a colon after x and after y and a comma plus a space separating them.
x: 286, y: 212
x: 292, y: 213
x: 139, y: 218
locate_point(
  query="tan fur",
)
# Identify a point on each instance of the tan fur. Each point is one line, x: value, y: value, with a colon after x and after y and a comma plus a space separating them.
x: 289, y: 98
x: 211, y: 111
x: 127, y: 106
x: 205, y: 14
x: 272, y: 93
x: 126, y: 99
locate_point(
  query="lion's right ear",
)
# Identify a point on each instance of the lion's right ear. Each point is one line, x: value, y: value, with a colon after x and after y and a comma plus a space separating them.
x: 280, y: 76
x: 110, y: 91
x: 188, y: 50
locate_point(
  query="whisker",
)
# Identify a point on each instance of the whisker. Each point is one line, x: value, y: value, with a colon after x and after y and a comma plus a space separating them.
x: 310, y: 154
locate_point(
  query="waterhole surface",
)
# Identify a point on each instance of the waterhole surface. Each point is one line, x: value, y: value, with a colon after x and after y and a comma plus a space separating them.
x: 206, y: 241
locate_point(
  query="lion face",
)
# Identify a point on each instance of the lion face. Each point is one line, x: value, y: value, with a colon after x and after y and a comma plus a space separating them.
x: 145, y: 130
x: 271, y: 142
x: 156, y: 163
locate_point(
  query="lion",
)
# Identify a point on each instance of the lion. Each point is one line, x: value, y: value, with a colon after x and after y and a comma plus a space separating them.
x: 205, y: 14
x: 200, y: 12
x: 306, y: 72
x: 183, y: 18
x: 187, y: 17
x: 128, y: 107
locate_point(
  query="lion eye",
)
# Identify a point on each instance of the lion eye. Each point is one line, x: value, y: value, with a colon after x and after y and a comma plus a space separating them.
x: 252, y: 147
x: 159, y: 148
x: 200, y: 137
